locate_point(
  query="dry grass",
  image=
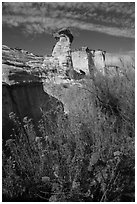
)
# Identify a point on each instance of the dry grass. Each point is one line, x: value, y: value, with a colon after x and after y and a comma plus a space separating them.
x: 87, y: 155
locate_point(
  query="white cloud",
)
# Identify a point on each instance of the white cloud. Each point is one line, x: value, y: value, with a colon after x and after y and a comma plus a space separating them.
x: 114, y: 18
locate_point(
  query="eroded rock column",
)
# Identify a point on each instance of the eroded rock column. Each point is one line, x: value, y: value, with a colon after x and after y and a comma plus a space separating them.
x: 62, y: 51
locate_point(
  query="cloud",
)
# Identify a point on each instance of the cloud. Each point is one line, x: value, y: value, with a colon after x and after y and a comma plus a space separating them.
x: 113, y: 18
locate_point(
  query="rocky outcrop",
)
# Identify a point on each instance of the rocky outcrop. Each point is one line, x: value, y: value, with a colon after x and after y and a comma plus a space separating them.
x: 119, y: 60
x: 61, y: 55
x: 80, y: 60
x: 65, y: 63
x: 22, y: 89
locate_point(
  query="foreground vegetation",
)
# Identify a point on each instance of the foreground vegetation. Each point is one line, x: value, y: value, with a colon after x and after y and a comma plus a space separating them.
x: 87, y: 155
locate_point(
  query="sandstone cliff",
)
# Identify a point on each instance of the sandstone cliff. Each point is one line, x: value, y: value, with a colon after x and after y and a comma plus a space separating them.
x: 80, y: 60
x: 22, y: 89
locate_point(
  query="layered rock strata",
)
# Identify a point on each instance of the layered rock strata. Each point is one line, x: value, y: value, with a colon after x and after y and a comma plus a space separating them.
x: 80, y: 60
x: 22, y: 89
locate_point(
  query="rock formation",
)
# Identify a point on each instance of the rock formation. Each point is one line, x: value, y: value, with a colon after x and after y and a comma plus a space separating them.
x: 98, y: 57
x: 90, y: 62
x: 80, y: 60
x: 22, y: 90
x: 62, y: 49
x: 65, y: 63
x: 61, y: 58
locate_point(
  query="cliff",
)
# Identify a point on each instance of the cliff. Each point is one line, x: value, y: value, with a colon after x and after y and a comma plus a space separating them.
x: 22, y: 89
x: 80, y: 60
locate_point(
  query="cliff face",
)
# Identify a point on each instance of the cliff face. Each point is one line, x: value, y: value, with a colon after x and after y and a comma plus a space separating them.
x: 22, y: 90
x: 120, y: 60
x: 80, y: 60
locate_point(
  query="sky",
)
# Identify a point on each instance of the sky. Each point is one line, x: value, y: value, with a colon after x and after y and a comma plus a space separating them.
x: 109, y: 26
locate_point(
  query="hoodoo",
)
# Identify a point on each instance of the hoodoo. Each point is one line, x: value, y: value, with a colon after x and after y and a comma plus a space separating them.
x: 62, y: 49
